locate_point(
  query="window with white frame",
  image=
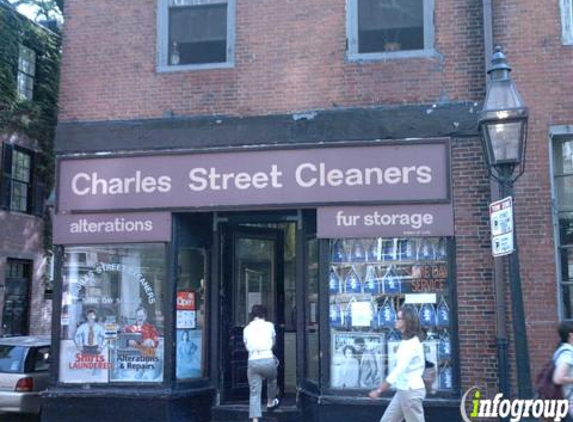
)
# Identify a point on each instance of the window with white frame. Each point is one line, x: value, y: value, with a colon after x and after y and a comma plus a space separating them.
x: 386, y: 28
x: 563, y: 214
x: 195, y: 34
x: 567, y: 21
x: 26, y: 72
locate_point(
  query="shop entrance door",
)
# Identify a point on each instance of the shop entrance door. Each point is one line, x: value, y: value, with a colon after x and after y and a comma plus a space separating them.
x: 252, y: 269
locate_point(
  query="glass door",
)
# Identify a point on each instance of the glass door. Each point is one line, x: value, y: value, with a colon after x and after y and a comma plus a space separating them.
x: 252, y: 270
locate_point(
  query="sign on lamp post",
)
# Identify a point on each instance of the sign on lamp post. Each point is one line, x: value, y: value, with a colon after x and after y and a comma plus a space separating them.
x: 501, y: 221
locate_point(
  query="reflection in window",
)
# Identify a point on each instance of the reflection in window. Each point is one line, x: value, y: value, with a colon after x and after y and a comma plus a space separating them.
x: 112, y: 321
x: 563, y: 190
x: 311, y: 297
x: 26, y: 72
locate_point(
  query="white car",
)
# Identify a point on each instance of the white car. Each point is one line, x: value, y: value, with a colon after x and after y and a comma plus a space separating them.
x: 24, y: 372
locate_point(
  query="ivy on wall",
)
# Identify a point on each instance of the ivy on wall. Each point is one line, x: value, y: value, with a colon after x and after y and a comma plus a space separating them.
x: 35, y: 119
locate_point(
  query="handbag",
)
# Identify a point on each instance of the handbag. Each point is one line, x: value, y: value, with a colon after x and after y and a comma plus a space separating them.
x: 429, y: 376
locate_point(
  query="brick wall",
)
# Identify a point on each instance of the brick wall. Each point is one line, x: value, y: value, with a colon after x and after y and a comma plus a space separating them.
x: 289, y: 55
x: 530, y: 33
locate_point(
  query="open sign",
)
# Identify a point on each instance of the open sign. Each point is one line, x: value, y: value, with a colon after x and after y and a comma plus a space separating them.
x: 186, y: 301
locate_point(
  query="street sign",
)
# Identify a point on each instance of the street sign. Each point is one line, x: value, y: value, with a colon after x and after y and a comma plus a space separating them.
x: 501, y: 221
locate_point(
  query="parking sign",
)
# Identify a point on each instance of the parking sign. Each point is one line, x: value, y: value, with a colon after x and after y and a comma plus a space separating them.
x: 501, y: 221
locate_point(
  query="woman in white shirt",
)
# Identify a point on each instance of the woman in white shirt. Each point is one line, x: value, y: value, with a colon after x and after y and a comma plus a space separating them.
x: 259, y: 337
x: 406, y: 376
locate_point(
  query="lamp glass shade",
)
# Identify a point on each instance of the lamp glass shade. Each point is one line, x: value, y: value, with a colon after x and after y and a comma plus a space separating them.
x: 504, y: 121
x: 505, y: 140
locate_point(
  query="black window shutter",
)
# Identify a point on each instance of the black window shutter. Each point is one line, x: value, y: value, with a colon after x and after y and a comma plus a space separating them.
x: 6, y: 182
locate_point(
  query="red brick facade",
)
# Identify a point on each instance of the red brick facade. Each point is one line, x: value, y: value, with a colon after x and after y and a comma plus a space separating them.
x: 290, y: 57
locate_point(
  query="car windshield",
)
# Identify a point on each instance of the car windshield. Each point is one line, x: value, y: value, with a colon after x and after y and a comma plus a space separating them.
x: 12, y: 358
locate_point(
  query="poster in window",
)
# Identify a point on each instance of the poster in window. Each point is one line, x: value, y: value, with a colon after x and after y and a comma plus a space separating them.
x: 185, y: 301
x: 188, y: 354
x: 186, y: 319
x: 357, y: 360
x: 114, y: 319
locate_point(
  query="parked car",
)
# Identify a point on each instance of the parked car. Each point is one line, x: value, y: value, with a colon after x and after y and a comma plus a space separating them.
x: 24, y: 372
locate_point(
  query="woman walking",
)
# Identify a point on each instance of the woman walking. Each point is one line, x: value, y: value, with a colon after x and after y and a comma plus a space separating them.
x: 259, y: 337
x: 406, y: 376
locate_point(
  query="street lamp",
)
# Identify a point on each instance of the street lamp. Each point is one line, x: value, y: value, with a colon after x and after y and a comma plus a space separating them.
x: 503, y: 122
x: 503, y: 126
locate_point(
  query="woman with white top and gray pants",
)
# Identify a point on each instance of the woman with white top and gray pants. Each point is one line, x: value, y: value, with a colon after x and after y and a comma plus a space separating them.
x: 259, y: 337
x: 406, y: 376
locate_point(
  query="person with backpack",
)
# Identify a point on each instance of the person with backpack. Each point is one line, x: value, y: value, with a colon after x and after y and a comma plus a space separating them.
x: 563, y: 360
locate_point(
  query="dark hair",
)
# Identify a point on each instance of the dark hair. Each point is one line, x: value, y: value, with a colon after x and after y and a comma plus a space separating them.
x: 352, y: 349
x: 411, y: 322
x: 91, y: 311
x: 564, y: 329
x: 258, y: 311
x: 141, y: 308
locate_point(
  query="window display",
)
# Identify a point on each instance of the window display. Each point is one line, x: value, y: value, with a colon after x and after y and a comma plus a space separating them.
x: 112, y: 318
x: 190, y: 313
x: 369, y: 279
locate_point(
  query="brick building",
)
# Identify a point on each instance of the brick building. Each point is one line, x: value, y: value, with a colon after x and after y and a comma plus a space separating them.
x: 321, y: 158
x: 29, y: 60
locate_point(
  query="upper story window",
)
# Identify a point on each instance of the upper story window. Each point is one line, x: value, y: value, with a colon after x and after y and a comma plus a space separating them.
x: 26, y: 72
x: 195, y: 34
x: 562, y: 160
x: 567, y: 21
x: 16, y: 187
x: 378, y: 29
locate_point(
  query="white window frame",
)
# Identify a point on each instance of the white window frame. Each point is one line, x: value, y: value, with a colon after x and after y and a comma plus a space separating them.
x: 26, y: 94
x: 163, y: 38
x: 566, y: 7
x: 557, y: 134
x: 352, y: 36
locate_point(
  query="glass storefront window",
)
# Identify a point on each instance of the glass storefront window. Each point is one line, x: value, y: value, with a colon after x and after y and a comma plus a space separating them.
x: 112, y: 319
x: 190, y: 313
x: 369, y: 279
x: 312, y: 330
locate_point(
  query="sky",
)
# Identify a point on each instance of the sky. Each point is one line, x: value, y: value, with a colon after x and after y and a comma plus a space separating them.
x: 28, y: 11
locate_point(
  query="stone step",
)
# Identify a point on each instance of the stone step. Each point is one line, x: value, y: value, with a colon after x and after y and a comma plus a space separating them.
x: 239, y: 412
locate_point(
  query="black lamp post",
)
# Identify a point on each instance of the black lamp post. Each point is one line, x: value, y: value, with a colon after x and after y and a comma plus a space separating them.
x: 503, y: 126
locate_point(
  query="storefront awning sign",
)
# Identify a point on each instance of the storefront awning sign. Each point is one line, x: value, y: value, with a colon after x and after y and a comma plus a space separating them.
x: 89, y: 229
x: 385, y: 221
x: 385, y: 173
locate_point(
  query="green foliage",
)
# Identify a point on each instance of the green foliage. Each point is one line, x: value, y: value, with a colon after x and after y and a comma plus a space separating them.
x: 35, y: 119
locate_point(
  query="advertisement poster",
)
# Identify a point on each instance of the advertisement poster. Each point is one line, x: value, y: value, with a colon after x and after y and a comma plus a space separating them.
x: 111, y: 313
x: 189, y: 354
x: 79, y: 367
x: 357, y: 359
x: 186, y: 319
x: 136, y: 363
